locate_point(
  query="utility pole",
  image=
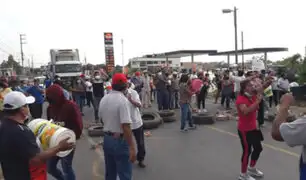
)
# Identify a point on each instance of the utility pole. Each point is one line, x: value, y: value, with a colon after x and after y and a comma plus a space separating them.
x: 122, y: 55
x: 242, y: 49
x: 22, y: 42
x: 32, y: 58
x: 236, y: 38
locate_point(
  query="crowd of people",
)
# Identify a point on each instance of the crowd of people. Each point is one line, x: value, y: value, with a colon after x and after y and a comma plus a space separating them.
x: 117, y: 103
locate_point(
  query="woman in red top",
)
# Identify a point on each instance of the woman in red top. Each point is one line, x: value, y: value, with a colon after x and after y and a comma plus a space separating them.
x: 247, y: 104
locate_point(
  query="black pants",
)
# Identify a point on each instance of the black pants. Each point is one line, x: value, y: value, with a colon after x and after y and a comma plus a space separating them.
x: 226, y: 99
x: 89, y: 98
x: 36, y: 110
x: 201, y: 100
x: 139, y: 137
x: 261, y: 113
x: 275, y: 98
x: 280, y: 94
x: 251, y: 146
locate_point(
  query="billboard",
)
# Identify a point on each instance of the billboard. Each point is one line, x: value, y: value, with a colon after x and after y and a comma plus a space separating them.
x: 109, y: 51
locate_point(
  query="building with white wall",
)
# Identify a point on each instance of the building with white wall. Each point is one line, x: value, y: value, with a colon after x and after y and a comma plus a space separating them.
x: 143, y: 63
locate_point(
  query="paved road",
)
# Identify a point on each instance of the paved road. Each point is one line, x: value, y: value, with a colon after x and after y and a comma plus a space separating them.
x: 210, y: 152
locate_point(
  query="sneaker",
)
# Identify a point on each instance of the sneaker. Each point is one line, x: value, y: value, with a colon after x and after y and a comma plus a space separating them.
x: 184, y: 130
x: 192, y: 127
x: 245, y: 176
x: 255, y: 172
x: 204, y: 111
x: 141, y: 164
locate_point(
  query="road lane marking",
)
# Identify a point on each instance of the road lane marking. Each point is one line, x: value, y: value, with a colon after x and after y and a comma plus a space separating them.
x: 96, y: 163
x: 264, y: 144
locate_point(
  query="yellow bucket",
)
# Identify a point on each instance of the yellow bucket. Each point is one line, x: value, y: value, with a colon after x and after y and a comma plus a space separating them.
x: 49, y: 134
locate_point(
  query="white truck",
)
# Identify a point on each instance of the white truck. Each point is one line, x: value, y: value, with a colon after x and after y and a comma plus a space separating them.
x: 66, y: 64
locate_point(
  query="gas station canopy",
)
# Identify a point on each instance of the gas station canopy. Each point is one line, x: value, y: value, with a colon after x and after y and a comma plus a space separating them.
x: 181, y: 53
x: 250, y: 51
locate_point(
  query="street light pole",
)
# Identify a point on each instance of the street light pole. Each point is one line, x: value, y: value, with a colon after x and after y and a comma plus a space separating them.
x: 242, y: 48
x: 122, y: 55
x: 225, y: 11
x: 236, y: 35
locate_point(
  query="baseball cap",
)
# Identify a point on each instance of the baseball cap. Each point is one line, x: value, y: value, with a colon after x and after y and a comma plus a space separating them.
x: 119, y: 78
x: 14, y: 100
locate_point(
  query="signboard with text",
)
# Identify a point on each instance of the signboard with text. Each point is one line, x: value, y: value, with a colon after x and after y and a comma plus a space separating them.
x: 109, y: 51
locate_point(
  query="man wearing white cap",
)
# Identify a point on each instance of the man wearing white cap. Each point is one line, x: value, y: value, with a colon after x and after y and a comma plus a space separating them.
x: 20, y: 155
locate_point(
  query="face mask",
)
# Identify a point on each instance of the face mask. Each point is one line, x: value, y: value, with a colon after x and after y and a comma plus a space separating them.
x: 160, y: 73
x: 78, y: 81
x: 97, y: 77
x: 247, y: 94
x: 1, y: 89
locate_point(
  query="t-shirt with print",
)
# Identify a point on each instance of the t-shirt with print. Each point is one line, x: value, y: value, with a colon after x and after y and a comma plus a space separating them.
x: 246, y: 122
x: 18, y: 147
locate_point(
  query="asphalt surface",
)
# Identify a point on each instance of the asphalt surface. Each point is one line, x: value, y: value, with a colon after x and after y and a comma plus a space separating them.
x: 209, y: 152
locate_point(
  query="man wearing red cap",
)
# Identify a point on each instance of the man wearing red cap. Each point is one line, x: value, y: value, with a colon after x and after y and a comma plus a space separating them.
x: 118, y: 146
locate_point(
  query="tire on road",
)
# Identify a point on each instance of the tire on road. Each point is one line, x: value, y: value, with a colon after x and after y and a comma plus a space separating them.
x: 203, y: 118
x: 270, y: 117
x: 169, y: 119
x: 166, y: 113
x: 151, y: 120
x: 95, y: 131
x: 291, y: 118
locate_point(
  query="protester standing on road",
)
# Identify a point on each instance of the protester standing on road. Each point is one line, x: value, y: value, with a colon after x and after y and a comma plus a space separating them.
x: 227, y: 91
x: 247, y: 105
x: 162, y: 91
x: 218, y: 82
x: 137, y: 124
x: 174, y: 103
x: 283, y: 85
x: 146, y: 98
x: 118, y: 146
x: 293, y: 133
x: 237, y: 80
x: 185, y: 100
x: 138, y: 82
x: 47, y: 82
x: 37, y: 92
x: 98, y: 92
x: 89, y: 92
x: 20, y: 156
x: 67, y: 114
x: 78, y: 92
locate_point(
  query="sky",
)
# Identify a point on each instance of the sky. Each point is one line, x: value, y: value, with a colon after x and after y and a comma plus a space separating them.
x: 148, y: 26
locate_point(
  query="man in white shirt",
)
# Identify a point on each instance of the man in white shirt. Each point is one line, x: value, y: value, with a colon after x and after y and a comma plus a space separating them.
x: 137, y: 124
x: 118, y: 146
x: 237, y: 80
x: 89, y: 95
x: 283, y: 85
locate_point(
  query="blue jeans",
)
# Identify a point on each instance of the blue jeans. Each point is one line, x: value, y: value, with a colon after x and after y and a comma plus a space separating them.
x: 66, y: 162
x: 174, y: 100
x: 80, y: 101
x: 186, y: 116
x: 163, y: 99
x: 302, y: 169
x: 117, y: 159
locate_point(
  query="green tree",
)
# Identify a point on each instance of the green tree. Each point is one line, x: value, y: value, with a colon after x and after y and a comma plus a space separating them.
x: 11, y: 63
